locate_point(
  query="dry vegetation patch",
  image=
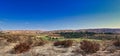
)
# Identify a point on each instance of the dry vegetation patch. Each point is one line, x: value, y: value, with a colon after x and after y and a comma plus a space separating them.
x: 116, y: 43
x: 28, y: 43
x: 21, y: 48
x: 39, y: 43
x: 89, y: 46
x: 65, y: 43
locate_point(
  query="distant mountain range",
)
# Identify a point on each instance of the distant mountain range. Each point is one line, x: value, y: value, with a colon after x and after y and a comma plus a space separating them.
x: 23, y: 31
x: 101, y: 30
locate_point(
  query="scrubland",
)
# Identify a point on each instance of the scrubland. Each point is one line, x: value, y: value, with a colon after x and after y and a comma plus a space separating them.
x: 30, y: 45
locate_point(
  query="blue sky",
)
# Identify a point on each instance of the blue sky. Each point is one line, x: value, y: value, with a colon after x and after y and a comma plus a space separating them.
x: 59, y: 14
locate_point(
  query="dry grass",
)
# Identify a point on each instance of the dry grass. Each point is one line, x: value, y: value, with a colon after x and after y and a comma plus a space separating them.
x: 89, y: 46
x: 14, y: 38
x: 39, y: 43
x: 27, y: 42
x: 65, y: 43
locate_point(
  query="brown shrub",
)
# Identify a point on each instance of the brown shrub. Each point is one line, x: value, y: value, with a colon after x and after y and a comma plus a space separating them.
x: 57, y: 43
x: 116, y: 43
x: 12, y: 38
x: 21, y: 48
x: 89, y: 47
x: 39, y: 43
x: 65, y: 43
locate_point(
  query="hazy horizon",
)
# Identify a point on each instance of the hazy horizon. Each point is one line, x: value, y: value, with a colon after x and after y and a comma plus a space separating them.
x: 59, y: 15
x: 53, y: 29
